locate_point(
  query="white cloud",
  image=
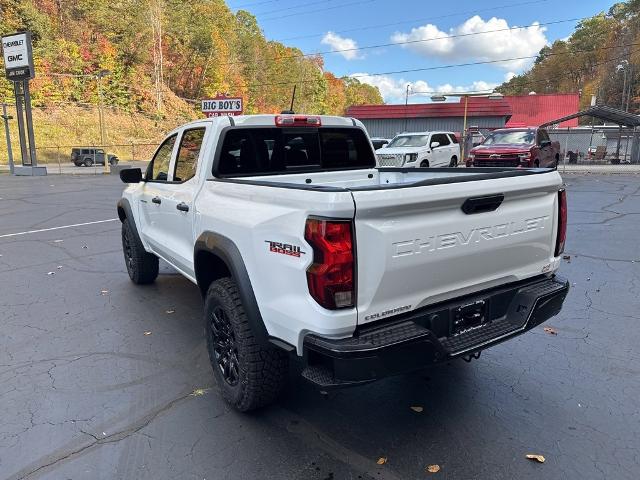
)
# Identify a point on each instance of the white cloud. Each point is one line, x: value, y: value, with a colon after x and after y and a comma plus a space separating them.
x: 509, y: 75
x: 394, y: 90
x: 336, y: 42
x: 517, y: 42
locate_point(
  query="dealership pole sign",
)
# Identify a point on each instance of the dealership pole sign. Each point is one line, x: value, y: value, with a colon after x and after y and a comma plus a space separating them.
x: 222, y: 106
x: 18, y: 64
x: 18, y: 56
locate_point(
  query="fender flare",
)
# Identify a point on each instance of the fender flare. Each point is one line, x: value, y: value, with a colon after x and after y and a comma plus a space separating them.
x: 227, y: 251
x: 126, y: 213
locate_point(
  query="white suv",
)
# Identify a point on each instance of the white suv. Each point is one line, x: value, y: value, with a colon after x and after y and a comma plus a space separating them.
x: 421, y: 149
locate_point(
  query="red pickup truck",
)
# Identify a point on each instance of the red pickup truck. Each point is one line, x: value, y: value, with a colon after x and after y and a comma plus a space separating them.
x: 516, y: 147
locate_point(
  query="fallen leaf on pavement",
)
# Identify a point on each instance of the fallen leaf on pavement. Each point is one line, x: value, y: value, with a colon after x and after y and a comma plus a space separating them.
x: 537, y: 458
x: 199, y: 392
x: 84, y: 246
x: 169, y: 312
x: 59, y: 267
x: 567, y: 258
x: 104, y: 292
x: 58, y: 241
x: 550, y: 330
x: 382, y: 460
x: 417, y: 409
x: 51, y: 273
x: 433, y: 468
x: 147, y: 333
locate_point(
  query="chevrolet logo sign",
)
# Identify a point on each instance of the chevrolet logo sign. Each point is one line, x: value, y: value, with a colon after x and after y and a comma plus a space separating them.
x: 494, y: 155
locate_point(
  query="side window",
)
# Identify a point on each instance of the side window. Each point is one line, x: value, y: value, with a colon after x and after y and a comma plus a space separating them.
x: 454, y: 139
x: 441, y: 138
x: 543, y: 136
x: 158, y: 169
x: 188, y: 153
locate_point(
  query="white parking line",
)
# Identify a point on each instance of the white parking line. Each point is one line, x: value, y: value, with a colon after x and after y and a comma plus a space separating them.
x: 57, y: 228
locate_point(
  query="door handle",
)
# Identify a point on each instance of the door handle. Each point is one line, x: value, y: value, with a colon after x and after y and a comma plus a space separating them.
x: 183, y: 207
x: 156, y: 200
x: 482, y: 204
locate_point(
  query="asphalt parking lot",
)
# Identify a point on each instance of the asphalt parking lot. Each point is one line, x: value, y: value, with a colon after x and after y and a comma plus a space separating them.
x: 101, y: 379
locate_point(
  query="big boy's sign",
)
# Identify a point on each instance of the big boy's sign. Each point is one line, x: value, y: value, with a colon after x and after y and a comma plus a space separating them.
x: 222, y: 106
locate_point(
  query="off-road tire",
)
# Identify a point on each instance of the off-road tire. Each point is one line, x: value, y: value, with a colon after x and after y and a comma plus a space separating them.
x: 88, y: 162
x: 454, y: 162
x: 536, y: 164
x: 141, y: 265
x: 262, y: 369
x: 113, y: 162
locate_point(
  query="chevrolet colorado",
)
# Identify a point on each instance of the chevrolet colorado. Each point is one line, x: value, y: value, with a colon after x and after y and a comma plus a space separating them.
x: 516, y: 147
x: 303, y: 249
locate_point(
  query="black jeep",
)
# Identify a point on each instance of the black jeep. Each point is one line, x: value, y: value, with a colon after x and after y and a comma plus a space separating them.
x: 89, y: 156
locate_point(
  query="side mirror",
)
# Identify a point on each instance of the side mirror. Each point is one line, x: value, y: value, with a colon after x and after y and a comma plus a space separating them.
x: 131, y: 175
x: 545, y: 143
x: 435, y: 144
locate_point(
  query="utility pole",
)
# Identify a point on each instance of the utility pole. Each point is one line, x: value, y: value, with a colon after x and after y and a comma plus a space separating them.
x: 6, y: 119
x: 99, y: 75
x: 406, y: 105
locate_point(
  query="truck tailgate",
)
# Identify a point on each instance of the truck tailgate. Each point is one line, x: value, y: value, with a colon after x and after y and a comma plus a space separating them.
x: 416, y: 246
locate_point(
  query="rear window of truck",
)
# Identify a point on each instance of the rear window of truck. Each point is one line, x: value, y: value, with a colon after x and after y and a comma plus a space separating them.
x: 274, y: 150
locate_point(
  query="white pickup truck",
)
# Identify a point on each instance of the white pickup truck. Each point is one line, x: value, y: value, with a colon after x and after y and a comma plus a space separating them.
x: 303, y: 249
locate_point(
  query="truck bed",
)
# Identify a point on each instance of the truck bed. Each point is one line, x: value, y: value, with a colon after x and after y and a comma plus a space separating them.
x: 382, y: 178
x: 429, y: 235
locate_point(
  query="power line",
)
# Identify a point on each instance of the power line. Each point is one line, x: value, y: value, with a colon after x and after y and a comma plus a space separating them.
x: 279, y: 17
x: 415, y: 20
x: 297, y: 5
x: 409, y: 42
x: 415, y: 70
x: 527, y: 82
x: 254, y: 4
x: 440, y: 67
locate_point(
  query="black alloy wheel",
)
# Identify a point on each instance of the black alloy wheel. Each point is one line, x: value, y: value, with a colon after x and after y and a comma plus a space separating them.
x: 225, y: 347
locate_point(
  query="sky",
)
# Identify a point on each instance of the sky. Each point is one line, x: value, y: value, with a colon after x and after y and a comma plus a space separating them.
x: 430, y: 36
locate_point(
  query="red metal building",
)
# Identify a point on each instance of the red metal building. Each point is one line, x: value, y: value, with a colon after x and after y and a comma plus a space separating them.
x: 484, y: 113
x: 534, y: 110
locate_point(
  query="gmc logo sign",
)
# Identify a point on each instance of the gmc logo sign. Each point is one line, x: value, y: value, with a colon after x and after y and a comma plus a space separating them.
x: 14, y: 58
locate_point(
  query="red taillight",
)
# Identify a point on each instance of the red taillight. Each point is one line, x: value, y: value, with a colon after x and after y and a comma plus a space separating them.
x: 331, y: 275
x: 562, y: 222
x: 297, y: 121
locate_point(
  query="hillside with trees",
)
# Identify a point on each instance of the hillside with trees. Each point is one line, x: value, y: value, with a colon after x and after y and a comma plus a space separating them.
x: 162, y: 57
x: 601, y: 57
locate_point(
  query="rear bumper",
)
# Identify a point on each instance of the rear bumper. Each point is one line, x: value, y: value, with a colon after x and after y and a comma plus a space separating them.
x: 424, y: 337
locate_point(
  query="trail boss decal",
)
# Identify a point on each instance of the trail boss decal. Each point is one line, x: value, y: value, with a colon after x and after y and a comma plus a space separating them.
x: 284, y: 248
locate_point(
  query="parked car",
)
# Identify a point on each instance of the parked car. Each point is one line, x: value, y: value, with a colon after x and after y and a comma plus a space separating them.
x: 88, y: 156
x: 516, y: 147
x: 262, y: 213
x: 420, y: 149
x: 379, y: 142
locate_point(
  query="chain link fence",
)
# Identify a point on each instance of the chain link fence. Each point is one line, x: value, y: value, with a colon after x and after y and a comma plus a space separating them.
x: 590, y: 146
x: 598, y: 145
x: 91, y: 159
